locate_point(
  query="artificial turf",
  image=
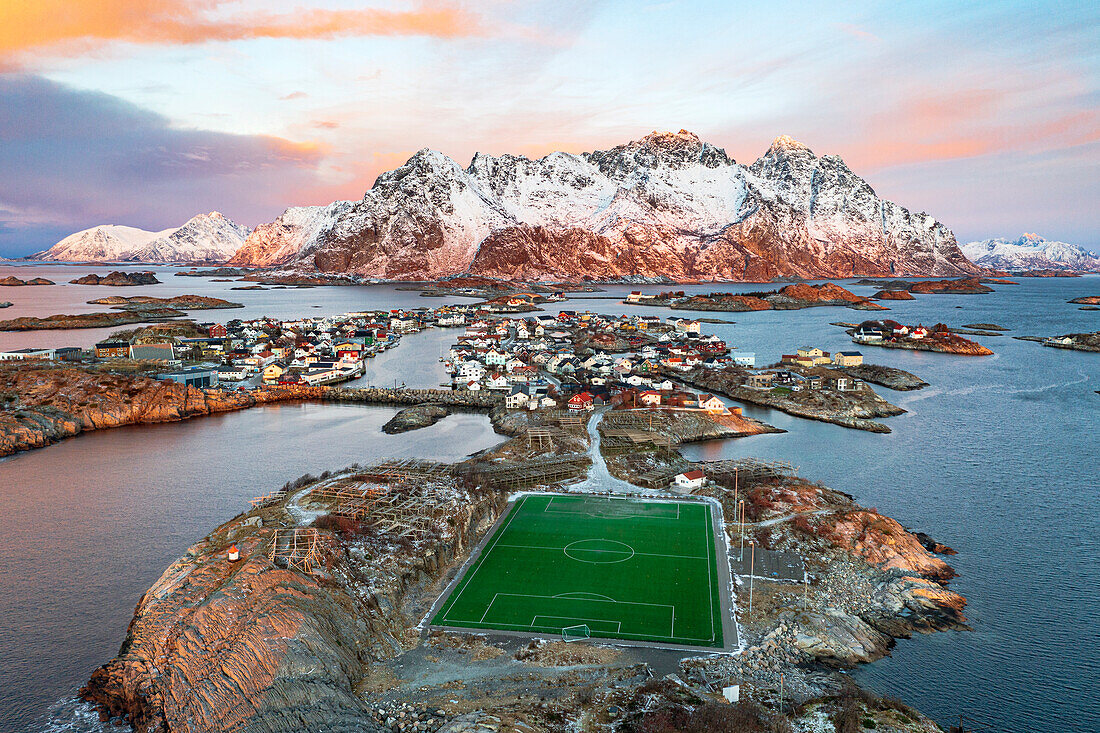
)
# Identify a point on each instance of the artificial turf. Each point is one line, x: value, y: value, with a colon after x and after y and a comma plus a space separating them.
x: 632, y: 569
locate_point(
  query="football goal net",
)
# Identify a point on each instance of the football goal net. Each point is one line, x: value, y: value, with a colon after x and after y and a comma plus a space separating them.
x: 575, y: 633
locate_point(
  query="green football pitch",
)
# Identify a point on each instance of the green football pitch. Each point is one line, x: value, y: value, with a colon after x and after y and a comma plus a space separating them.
x: 615, y: 568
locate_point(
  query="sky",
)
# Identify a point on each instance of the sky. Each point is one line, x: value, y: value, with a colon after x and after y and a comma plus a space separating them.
x: 147, y: 112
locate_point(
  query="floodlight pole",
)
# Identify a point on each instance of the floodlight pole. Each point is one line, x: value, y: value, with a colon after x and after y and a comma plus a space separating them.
x: 741, y: 511
x: 752, y: 565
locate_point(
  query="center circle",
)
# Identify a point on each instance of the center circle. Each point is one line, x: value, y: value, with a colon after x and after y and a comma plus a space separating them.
x: 598, y: 552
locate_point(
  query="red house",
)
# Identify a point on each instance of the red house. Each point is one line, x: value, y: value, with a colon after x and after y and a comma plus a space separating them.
x: 581, y: 401
x: 217, y: 331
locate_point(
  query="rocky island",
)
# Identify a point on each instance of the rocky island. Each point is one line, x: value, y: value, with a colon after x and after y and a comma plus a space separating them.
x: 182, y: 302
x: 118, y: 278
x: 1072, y: 341
x: 298, y: 615
x: 414, y: 418
x: 1087, y: 302
x: 890, y: 334
x: 957, y: 286
x: 13, y: 281
x: 59, y: 321
x: 790, y: 297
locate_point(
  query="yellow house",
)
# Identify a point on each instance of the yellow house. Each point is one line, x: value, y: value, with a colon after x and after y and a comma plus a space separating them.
x: 811, y: 356
x: 272, y: 372
x: 847, y: 358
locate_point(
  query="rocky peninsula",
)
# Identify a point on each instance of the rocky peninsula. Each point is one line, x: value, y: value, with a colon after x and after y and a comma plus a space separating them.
x: 42, y: 405
x: 1087, y: 300
x: 118, y: 278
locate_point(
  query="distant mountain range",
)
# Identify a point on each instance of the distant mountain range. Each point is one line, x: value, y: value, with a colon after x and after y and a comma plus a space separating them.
x: 204, y: 238
x: 666, y: 207
x: 1031, y: 252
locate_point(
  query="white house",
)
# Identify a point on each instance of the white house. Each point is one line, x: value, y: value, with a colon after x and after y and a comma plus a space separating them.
x: 516, y: 399
x: 712, y: 404
x: 690, y: 480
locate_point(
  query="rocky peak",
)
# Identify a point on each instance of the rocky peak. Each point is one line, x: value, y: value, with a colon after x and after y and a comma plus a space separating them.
x: 426, y: 165
x: 787, y: 144
x: 675, y: 150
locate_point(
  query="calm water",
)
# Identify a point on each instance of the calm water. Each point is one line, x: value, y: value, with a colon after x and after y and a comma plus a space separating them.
x: 997, y: 459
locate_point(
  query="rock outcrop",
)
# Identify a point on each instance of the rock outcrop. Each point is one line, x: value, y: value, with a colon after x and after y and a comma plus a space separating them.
x: 414, y: 418
x: 894, y: 295
x: 889, y: 377
x: 666, y: 207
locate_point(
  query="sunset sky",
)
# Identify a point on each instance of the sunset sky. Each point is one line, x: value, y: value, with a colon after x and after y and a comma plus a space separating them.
x: 146, y: 112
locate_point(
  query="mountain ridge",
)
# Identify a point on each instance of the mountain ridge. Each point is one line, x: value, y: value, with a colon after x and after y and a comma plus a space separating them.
x: 666, y: 206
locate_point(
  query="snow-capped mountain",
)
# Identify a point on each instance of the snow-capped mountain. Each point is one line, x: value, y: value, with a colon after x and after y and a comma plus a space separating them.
x: 666, y: 206
x: 295, y: 233
x: 108, y: 242
x: 1032, y: 252
x: 204, y: 238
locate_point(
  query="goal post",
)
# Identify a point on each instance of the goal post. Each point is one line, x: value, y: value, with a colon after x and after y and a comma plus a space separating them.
x: 575, y: 633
